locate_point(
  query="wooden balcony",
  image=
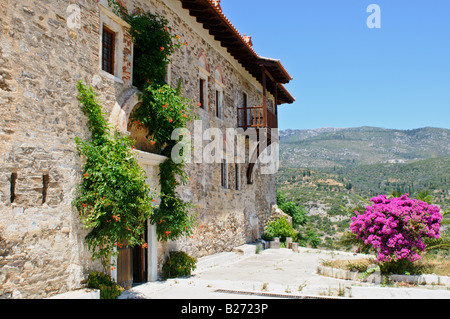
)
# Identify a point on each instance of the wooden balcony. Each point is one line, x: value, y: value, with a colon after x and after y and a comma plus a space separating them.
x: 256, y: 117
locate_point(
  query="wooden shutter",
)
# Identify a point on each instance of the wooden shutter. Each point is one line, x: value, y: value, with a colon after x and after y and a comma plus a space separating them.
x: 108, y: 45
x: 202, y: 93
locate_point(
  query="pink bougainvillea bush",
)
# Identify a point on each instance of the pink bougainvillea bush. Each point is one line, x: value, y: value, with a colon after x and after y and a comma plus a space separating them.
x: 395, y: 227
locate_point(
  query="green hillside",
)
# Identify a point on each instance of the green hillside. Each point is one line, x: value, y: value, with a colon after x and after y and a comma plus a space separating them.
x: 332, y: 171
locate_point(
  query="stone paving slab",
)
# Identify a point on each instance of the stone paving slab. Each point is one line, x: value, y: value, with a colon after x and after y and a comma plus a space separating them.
x: 273, y: 273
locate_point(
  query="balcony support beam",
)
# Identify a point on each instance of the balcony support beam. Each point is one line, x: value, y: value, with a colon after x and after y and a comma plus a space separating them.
x: 263, y: 70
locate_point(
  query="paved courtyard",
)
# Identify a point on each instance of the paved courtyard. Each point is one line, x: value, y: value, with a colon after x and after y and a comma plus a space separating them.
x: 273, y: 273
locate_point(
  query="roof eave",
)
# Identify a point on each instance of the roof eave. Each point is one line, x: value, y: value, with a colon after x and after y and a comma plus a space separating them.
x: 214, y: 20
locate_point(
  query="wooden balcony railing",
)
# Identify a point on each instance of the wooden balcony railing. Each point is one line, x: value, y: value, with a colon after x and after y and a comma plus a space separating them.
x: 257, y: 117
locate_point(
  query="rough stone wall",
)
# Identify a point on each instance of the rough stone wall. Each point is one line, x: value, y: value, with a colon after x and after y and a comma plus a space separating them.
x: 227, y: 217
x: 41, y: 59
x: 42, y: 249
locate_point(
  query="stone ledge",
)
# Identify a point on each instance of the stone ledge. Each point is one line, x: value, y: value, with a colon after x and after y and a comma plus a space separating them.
x: 423, y: 279
x: 376, y: 277
x: 79, y: 294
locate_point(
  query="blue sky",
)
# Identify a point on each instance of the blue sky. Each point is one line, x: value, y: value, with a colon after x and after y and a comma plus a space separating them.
x: 347, y: 75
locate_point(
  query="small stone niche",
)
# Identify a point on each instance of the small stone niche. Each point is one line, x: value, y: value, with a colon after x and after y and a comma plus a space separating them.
x: 12, y: 192
x: 45, y: 182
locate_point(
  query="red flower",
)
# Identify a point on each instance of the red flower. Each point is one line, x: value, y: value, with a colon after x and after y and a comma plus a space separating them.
x: 145, y: 245
x: 199, y: 104
x: 86, y: 175
x: 167, y: 232
x: 201, y: 226
x: 170, y: 120
x: 162, y: 48
x: 84, y: 205
x: 152, y: 142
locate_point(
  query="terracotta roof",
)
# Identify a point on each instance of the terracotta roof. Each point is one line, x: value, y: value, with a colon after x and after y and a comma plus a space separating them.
x: 210, y: 14
x: 284, y: 97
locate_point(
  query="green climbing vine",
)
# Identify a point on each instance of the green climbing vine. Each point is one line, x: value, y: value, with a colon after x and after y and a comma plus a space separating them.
x: 162, y: 110
x: 113, y: 199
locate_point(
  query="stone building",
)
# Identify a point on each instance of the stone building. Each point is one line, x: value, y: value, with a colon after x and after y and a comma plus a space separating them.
x: 45, y: 48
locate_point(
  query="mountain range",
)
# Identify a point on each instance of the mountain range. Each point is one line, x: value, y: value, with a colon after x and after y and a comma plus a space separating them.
x: 328, y: 147
x: 331, y: 171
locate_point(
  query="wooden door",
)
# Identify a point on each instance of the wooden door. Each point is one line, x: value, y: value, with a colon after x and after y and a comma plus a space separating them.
x: 140, y: 261
x: 132, y: 264
x: 139, y: 265
x: 125, y: 267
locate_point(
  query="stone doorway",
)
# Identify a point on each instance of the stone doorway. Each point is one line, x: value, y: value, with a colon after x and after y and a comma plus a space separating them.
x: 137, y: 264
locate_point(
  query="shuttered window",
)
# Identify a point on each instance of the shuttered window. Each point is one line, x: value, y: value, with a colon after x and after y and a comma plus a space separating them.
x: 108, y: 44
x: 224, y: 174
x: 202, y: 93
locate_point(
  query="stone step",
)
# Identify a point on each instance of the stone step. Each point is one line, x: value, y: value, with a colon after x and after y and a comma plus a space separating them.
x: 226, y: 258
x: 79, y: 294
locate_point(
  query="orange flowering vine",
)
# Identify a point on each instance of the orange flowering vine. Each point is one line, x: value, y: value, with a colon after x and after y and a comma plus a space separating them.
x: 157, y: 96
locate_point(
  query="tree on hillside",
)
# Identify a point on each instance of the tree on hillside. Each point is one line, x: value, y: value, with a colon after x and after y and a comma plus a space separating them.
x: 298, y: 213
x: 299, y: 218
x: 425, y: 196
